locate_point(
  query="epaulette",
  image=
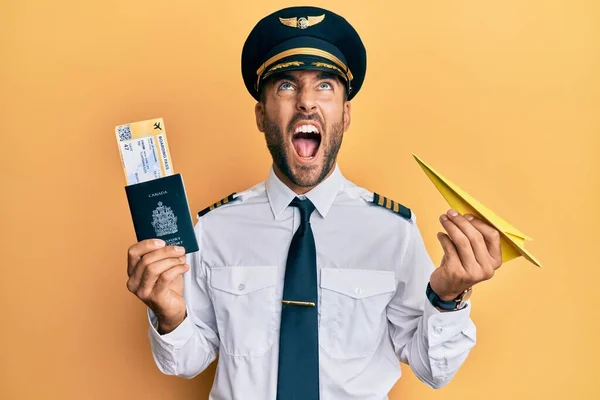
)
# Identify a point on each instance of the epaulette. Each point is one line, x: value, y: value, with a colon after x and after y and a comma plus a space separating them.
x: 218, y: 204
x: 392, y: 206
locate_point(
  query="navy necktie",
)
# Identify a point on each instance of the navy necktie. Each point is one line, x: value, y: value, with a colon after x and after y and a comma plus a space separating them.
x: 298, y: 374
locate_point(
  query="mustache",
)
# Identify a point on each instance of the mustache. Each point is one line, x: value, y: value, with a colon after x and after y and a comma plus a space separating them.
x: 305, y: 117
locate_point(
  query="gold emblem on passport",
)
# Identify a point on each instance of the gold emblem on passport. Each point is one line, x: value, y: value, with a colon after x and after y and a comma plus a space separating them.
x: 302, y: 22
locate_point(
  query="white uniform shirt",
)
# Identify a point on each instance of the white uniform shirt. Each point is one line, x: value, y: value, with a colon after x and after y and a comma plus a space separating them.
x: 373, y: 311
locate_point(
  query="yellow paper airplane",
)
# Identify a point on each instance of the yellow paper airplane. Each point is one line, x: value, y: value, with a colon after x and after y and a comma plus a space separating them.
x: 512, y: 241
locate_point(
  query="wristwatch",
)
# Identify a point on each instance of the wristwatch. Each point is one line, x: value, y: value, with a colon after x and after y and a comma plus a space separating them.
x: 458, y: 303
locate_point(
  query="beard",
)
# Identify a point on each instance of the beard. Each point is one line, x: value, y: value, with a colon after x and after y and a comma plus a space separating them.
x: 304, y: 176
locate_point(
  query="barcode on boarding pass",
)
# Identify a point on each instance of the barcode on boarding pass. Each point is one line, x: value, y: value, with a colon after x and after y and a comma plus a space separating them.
x: 124, y: 132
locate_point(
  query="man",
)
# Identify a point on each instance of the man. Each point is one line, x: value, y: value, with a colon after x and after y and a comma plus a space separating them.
x: 300, y: 304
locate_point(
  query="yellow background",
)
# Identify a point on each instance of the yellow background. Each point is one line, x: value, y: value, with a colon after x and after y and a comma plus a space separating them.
x: 502, y: 97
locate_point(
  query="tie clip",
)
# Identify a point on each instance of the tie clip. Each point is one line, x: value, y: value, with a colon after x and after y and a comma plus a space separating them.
x: 298, y: 303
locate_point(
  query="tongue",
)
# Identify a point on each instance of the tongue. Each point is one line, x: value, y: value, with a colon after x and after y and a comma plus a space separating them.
x: 306, y: 147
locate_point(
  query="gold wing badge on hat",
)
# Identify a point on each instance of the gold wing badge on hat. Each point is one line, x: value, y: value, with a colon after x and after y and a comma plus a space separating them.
x: 302, y: 22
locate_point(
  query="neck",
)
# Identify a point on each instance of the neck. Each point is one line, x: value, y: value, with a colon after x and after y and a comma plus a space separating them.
x: 295, y: 188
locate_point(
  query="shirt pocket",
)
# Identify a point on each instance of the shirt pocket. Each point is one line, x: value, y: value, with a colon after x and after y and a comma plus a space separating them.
x: 353, y: 310
x: 244, y: 302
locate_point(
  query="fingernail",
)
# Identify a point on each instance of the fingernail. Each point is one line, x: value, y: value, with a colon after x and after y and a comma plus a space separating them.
x: 179, y: 249
x: 469, y: 217
x: 444, y: 218
x: 452, y: 213
x: 159, y: 243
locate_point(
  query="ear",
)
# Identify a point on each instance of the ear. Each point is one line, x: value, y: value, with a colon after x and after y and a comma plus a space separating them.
x: 259, y: 113
x: 347, y: 109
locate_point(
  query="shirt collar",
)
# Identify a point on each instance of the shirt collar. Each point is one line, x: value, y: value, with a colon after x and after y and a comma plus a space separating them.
x: 322, y: 196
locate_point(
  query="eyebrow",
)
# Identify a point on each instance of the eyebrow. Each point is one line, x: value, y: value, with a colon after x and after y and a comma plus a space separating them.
x: 284, y: 76
x: 324, y: 75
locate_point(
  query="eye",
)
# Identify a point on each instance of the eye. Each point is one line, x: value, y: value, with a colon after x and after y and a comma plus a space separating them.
x: 286, y: 86
x: 325, y: 86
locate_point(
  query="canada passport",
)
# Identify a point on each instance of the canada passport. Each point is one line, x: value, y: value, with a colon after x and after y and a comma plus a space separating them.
x: 159, y: 209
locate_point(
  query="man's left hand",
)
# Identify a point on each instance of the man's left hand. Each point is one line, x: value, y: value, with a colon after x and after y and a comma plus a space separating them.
x: 471, y: 254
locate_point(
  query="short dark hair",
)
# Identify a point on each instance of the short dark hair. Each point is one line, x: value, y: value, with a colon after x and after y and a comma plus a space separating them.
x: 325, y: 75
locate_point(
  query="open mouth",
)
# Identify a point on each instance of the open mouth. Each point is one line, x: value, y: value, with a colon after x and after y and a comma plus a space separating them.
x: 306, y: 141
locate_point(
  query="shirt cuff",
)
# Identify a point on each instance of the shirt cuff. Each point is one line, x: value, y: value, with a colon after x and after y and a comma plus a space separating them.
x: 174, y: 339
x: 441, y: 326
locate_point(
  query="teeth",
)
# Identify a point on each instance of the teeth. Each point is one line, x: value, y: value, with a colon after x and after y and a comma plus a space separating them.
x: 307, y: 128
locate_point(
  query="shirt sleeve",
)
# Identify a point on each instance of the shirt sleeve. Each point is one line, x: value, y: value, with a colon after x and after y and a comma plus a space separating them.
x: 193, y: 345
x: 433, y: 343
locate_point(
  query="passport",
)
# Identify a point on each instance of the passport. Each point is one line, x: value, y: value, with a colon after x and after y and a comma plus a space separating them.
x: 160, y: 210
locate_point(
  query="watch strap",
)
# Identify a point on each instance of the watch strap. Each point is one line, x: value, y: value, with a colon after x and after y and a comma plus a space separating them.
x: 436, y: 301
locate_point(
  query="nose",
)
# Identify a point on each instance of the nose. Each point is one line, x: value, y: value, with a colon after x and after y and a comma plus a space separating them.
x: 306, y: 100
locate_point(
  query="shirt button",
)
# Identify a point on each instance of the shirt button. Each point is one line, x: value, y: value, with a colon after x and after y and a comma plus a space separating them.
x: 438, y: 329
x: 241, y: 287
x: 358, y: 291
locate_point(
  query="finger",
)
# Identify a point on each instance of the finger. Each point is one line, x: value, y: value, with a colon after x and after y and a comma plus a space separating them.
x: 162, y: 253
x: 167, y: 277
x: 156, y: 255
x: 153, y: 273
x: 136, y: 251
x: 145, y: 276
x: 451, y: 259
x: 476, y: 239
x: 450, y: 252
x: 462, y: 244
x: 491, y: 237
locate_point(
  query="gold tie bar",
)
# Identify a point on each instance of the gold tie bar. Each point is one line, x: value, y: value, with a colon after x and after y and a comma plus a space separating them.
x: 298, y: 303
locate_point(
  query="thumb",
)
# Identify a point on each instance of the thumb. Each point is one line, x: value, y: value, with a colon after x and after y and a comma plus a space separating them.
x: 448, y: 246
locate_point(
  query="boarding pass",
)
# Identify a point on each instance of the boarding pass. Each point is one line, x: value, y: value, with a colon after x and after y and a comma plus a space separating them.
x: 144, y: 150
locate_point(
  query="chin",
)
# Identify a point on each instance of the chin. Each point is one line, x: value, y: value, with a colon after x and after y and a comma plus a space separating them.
x: 308, y: 173
x: 306, y: 179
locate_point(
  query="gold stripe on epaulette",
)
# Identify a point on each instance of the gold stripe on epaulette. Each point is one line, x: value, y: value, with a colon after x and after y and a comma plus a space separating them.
x: 391, y: 205
x: 228, y: 199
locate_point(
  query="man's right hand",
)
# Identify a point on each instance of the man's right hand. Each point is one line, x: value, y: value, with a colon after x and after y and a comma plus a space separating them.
x: 156, y: 277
